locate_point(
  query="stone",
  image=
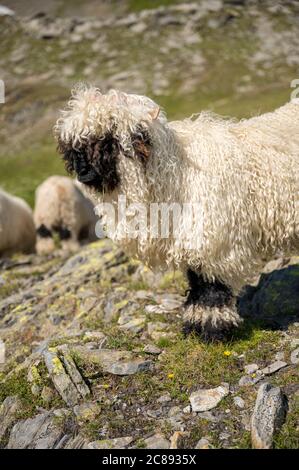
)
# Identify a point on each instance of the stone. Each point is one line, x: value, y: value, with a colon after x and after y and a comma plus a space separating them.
x: 203, y: 443
x: 251, y: 368
x: 47, y: 394
x: 295, y: 356
x: 279, y: 356
x: 239, y: 402
x: 73, y: 372
x: 158, y: 330
x: 187, y: 409
x: 294, y: 342
x: 86, y: 412
x: 113, y: 361
x: 208, y: 416
x: 177, y: 440
x: 268, y: 416
x: 61, y: 380
x: 8, y: 414
x: 248, y: 380
x: 157, y: 441
x: 152, y: 349
x: 272, y: 368
x: 96, y: 336
x: 130, y: 367
x: 5, y: 11
x: 275, y: 298
x: 164, y: 398
x: 139, y: 28
x: 207, y: 399
x: 117, y: 443
x: 135, y: 325
x: 176, y: 419
x: 78, y: 442
x: 43, y: 431
x: 223, y: 436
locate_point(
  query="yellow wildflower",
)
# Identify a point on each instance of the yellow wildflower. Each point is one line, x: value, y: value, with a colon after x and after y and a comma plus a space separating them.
x: 227, y: 353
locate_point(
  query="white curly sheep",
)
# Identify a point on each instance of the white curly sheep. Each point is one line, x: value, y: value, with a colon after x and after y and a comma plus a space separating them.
x: 17, y: 231
x: 62, y: 212
x: 244, y: 176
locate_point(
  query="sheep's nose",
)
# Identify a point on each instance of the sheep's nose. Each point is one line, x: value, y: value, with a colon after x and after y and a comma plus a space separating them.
x: 85, y: 172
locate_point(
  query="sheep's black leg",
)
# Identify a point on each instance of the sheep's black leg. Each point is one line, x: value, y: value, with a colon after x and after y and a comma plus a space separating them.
x: 209, y: 308
x: 43, y: 232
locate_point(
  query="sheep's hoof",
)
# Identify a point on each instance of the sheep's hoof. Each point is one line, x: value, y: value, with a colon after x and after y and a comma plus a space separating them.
x: 211, y: 323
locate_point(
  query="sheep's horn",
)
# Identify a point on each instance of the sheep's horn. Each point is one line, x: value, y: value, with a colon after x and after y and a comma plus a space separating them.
x: 154, y: 113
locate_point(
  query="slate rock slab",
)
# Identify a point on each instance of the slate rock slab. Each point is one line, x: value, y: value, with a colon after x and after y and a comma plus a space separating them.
x: 268, y: 416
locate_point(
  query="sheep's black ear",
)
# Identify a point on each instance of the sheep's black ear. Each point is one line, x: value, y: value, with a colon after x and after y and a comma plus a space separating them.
x: 142, y: 145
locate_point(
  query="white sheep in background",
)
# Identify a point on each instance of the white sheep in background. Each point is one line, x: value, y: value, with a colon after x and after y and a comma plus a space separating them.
x: 244, y: 176
x: 62, y: 213
x: 17, y: 231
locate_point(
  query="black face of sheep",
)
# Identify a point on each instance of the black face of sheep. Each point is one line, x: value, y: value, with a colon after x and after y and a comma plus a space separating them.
x: 96, y: 162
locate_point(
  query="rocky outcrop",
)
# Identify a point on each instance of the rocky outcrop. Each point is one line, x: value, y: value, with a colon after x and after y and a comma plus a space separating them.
x: 94, y: 358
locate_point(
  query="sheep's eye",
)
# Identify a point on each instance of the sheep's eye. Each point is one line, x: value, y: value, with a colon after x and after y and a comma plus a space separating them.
x: 142, y: 145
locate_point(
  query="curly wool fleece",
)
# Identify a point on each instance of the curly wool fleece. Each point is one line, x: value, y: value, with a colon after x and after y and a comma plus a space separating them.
x: 244, y: 175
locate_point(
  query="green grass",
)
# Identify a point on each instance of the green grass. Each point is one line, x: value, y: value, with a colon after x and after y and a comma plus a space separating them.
x: 138, y: 5
x: 23, y: 172
x: 193, y: 362
x: 288, y: 437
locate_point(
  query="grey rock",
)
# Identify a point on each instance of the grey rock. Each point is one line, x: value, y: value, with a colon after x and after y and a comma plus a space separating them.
x: 251, y: 368
x: 187, y: 409
x: 96, y: 336
x: 274, y: 290
x: 239, y: 402
x: 139, y: 28
x: 177, y: 440
x: 272, y: 368
x: 203, y: 443
x: 152, y: 349
x: 294, y: 342
x: 5, y: 11
x: 117, y: 443
x: 77, y: 442
x: 8, y: 411
x: 61, y: 380
x: 73, y: 372
x: 279, y: 356
x: 268, y: 416
x: 176, y: 418
x: 135, y: 325
x: 295, y: 356
x: 164, y: 398
x: 204, y: 400
x: 47, y: 394
x: 130, y: 367
x: 44, y: 431
x: 157, y: 441
x: 87, y: 411
x: 113, y: 361
x: 154, y: 413
x: 223, y: 436
x: 208, y: 416
x: 247, y: 380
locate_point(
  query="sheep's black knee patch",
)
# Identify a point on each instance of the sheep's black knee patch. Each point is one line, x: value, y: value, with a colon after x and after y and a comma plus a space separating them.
x: 63, y: 232
x: 207, y: 294
x: 43, y: 232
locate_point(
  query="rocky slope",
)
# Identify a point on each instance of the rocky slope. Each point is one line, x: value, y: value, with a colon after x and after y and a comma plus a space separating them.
x: 95, y: 358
